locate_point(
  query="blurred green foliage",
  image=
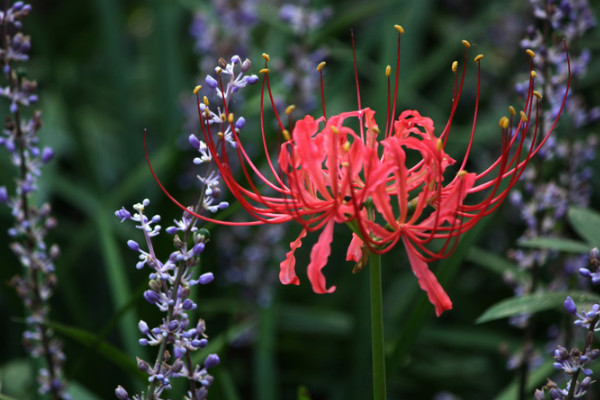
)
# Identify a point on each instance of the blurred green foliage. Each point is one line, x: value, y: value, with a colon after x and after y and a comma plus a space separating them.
x: 108, y: 69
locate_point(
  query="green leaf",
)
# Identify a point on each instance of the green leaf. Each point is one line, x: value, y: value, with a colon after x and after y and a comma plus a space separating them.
x: 105, y: 349
x: 534, y: 303
x: 587, y: 224
x: 495, y: 263
x: 559, y: 244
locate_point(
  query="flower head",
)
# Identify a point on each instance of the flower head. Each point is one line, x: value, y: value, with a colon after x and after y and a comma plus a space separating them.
x: 327, y: 173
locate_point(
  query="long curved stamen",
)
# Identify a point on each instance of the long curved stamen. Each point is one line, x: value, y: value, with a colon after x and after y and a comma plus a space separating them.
x: 362, y: 136
x: 456, y: 97
x: 468, y: 151
x: 320, y: 70
x: 393, y: 114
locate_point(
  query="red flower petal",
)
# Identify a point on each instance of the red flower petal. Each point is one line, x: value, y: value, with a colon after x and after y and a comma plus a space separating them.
x: 427, y: 280
x: 354, y: 249
x: 318, y: 258
x: 287, y: 273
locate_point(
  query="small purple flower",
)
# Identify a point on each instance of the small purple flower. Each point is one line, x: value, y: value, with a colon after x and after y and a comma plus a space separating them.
x: 123, y: 214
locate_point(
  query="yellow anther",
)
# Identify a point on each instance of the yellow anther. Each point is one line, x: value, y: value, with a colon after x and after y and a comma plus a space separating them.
x: 205, y: 100
x: 230, y: 118
x: 399, y: 29
x: 537, y: 94
x: 524, y: 116
x: 346, y: 146
x: 439, y: 145
x: 290, y: 109
x: 466, y: 44
x: 478, y: 57
x: 503, y: 123
x: 533, y: 74
x: 286, y: 134
x: 335, y: 130
x: 388, y: 71
x: 530, y: 52
x: 197, y: 89
x: 461, y: 173
x: 375, y: 129
x: 321, y: 66
x: 345, y: 164
x: 223, y: 117
x: 512, y: 111
x: 218, y: 70
x: 264, y: 71
x: 221, y: 135
x: 454, y: 66
x: 266, y: 57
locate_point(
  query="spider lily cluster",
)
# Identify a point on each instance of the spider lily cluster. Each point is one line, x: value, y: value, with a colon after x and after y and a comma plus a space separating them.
x: 327, y: 173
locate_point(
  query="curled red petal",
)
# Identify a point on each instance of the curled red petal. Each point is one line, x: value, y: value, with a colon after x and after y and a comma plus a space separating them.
x: 287, y: 272
x: 355, y: 249
x: 318, y: 258
x: 427, y: 280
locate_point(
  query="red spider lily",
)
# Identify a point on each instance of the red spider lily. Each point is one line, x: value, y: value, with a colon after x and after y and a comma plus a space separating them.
x: 327, y: 173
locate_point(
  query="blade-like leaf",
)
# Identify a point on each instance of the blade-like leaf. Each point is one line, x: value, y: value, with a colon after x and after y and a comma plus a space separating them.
x: 559, y: 244
x: 105, y: 349
x: 534, y: 303
x: 587, y: 224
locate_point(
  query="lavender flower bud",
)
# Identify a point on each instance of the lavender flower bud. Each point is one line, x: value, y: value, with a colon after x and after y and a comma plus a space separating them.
x: 151, y: 296
x: 211, y: 82
x: 132, y: 244
x: 570, y: 305
x: 121, y: 393
x: 198, y: 248
x: 194, y: 141
x: 47, y: 154
x: 211, y: 361
x: 239, y: 124
x: 143, y: 327
x: 3, y: 194
x: 246, y: 65
x: 206, y: 278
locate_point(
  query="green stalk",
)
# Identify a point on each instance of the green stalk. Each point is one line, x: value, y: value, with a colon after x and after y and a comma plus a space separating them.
x: 379, y: 391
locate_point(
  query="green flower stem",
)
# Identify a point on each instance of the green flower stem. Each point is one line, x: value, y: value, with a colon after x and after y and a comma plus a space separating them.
x: 379, y: 391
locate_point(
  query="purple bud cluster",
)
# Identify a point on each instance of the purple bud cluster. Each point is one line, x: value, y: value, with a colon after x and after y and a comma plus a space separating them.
x: 575, y: 361
x: 235, y: 74
x: 20, y: 138
x: 169, y: 288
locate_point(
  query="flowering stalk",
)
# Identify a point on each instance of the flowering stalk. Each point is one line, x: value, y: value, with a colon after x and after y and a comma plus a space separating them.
x: 169, y: 289
x: 377, y: 337
x: 38, y: 279
x: 574, y: 362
